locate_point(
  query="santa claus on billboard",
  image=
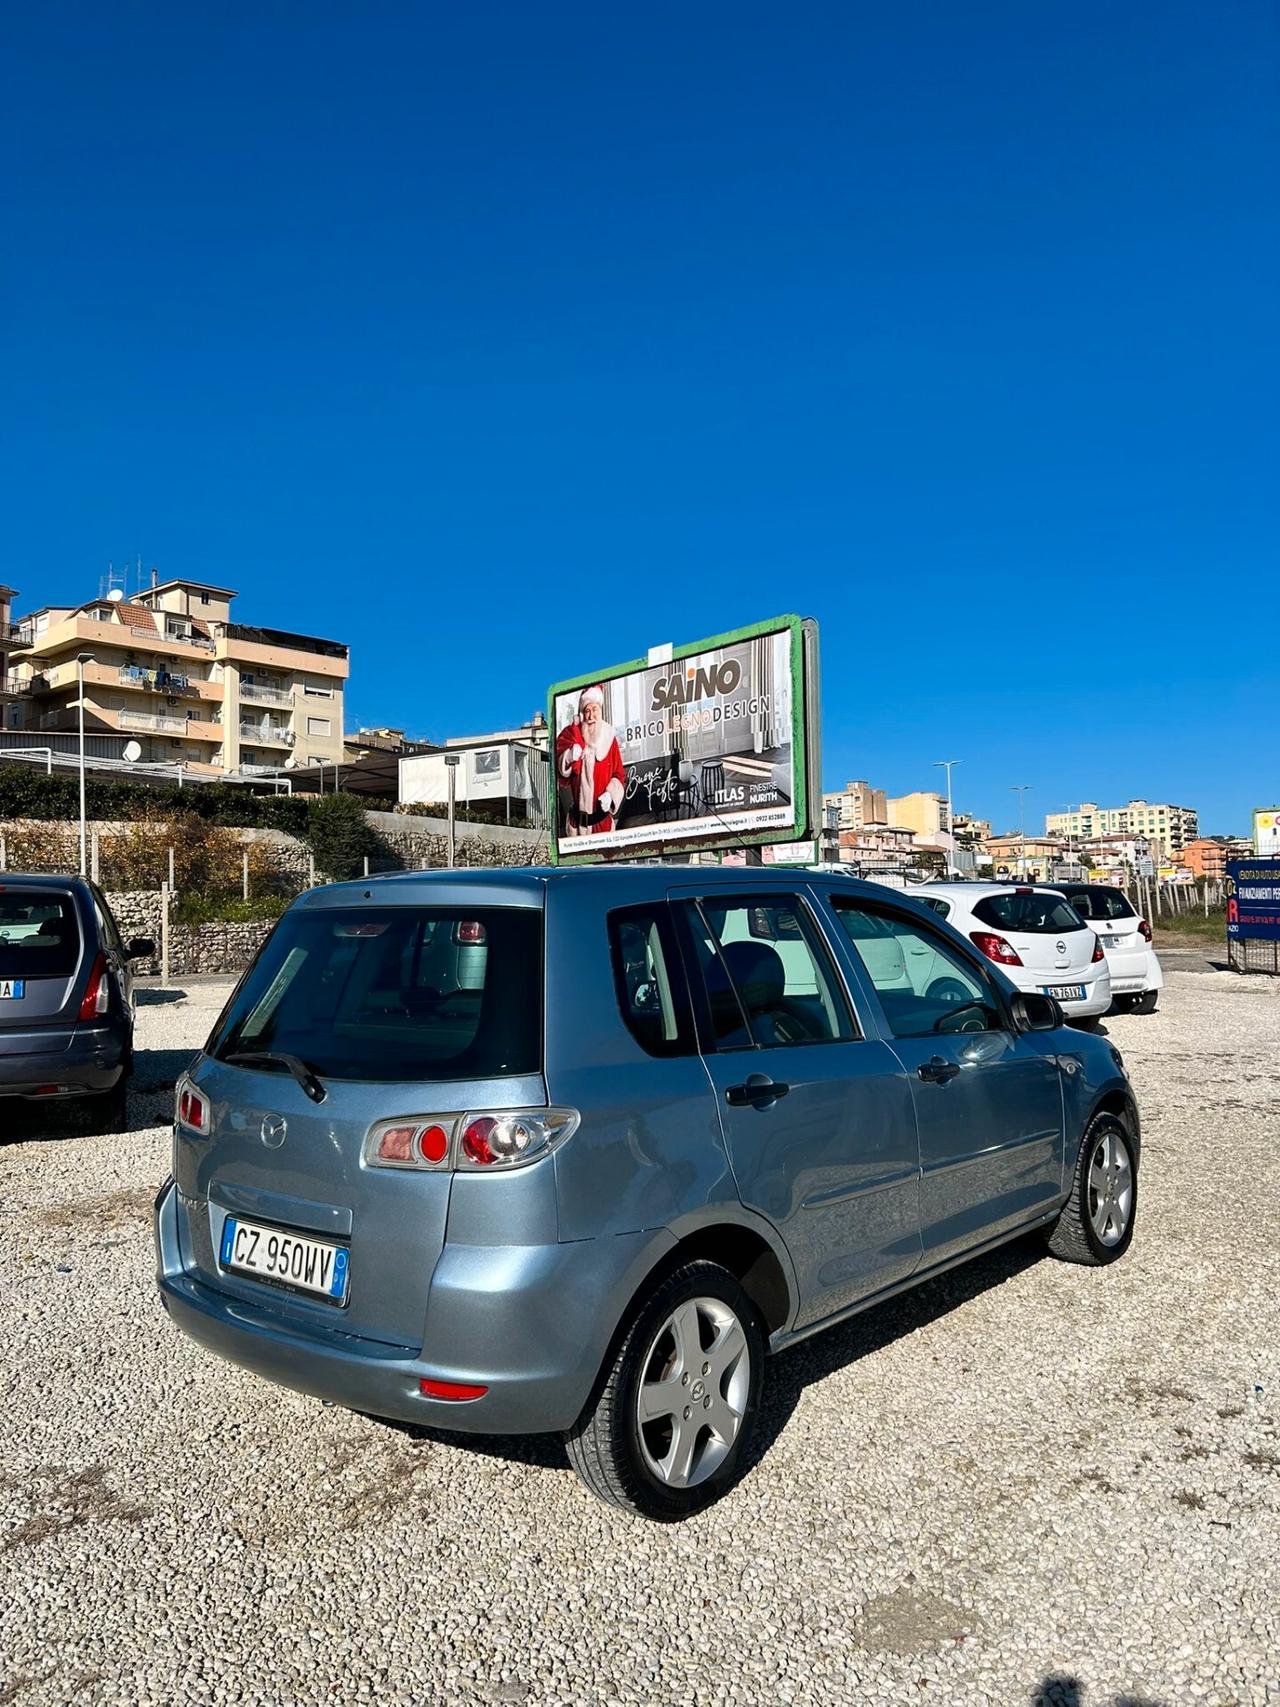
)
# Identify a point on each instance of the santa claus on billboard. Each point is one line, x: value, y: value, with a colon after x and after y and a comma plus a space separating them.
x: 589, y: 768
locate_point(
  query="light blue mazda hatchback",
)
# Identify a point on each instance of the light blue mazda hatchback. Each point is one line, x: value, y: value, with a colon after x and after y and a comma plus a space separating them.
x: 575, y: 1150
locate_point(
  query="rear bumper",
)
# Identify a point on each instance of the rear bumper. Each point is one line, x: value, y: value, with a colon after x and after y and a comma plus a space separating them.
x: 1096, y: 999
x: 92, y: 1061
x: 1131, y: 974
x: 530, y: 1323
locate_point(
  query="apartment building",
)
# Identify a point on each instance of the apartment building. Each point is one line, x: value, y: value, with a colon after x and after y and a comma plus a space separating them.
x: 970, y: 829
x: 8, y: 682
x: 1208, y: 856
x: 856, y: 804
x: 924, y: 812
x: 1172, y: 826
x: 884, y: 847
x: 171, y: 670
x: 1024, y: 856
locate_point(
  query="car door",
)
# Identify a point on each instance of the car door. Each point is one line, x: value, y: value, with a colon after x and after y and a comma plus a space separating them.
x: 817, y: 1115
x: 988, y: 1097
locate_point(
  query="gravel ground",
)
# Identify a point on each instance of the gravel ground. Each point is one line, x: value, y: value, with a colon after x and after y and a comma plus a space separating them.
x: 1022, y: 1483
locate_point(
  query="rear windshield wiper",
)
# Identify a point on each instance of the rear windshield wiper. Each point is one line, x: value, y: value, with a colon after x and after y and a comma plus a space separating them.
x: 277, y: 1057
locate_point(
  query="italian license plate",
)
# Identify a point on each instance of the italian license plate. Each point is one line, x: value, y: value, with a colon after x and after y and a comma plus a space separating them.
x: 1064, y: 992
x: 1112, y: 941
x: 289, y: 1259
x: 12, y: 989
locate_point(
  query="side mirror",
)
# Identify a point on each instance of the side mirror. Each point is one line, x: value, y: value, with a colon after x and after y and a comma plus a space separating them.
x: 1032, y: 1012
x: 141, y: 948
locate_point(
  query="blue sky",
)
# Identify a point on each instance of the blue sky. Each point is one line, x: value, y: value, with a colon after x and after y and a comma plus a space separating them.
x: 506, y: 341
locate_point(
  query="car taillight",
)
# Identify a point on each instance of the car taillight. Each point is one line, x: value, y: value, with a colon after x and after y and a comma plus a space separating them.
x: 191, y: 1107
x: 469, y: 930
x: 507, y: 1138
x: 996, y: 948
x: 98, y: 995
x: 1144, y: 929
x: 1097, y: 951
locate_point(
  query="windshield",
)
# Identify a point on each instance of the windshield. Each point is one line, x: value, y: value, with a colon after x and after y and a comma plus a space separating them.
x: 1101, y: 902
x: 1034, y: 912
x: 395, y: 993
x: 39, y: 934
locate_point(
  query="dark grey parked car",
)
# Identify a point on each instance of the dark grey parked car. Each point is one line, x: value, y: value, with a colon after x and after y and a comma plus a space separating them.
x: 573, y: 1150
x: 66, y: 997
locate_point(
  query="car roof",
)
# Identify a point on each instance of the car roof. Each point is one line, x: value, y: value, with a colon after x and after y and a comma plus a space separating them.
x: 42, y: 880
x: 527, y: 885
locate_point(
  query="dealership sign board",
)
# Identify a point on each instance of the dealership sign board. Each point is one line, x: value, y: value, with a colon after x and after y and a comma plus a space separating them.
x: 1253, y: 900
x: 701, y: 746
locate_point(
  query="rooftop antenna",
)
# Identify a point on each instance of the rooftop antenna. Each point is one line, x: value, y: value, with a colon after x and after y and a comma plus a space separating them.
x: 108, y: 583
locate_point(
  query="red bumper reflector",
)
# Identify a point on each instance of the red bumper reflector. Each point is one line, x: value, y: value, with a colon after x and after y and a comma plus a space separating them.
x: 450, y: 1390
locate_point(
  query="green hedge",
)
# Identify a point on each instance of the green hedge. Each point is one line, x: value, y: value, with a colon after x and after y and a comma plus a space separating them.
x: 29, y: 793
x: 210, y: 909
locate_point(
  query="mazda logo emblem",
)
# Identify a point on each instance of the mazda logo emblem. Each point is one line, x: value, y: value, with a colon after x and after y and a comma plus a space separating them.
x: 274, y: 1128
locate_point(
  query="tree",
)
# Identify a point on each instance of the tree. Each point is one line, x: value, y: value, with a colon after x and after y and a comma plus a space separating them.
x: 339, y: 835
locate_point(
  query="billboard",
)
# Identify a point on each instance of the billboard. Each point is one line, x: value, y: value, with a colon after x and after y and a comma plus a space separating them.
x: 695, y: 746
x: 1253, y: 900
x: 1266, y: 831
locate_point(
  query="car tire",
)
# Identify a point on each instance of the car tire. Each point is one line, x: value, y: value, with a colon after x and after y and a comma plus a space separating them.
x: 1096, y: 1223
x: 108, y: 1111
x: 639, y: 1466
x: 1146, y: 1003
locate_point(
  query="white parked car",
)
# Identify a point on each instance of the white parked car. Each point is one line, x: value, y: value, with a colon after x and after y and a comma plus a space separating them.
x: 1136, y: 978
x: 1034, y: 935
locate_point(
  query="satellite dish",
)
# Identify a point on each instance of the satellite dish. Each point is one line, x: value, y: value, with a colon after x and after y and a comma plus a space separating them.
x: 115, y: 595
x: 132, y: 751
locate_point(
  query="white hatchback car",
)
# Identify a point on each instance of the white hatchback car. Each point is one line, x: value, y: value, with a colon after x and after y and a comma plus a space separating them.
x: 1136, y: 978
x: 1033, y: 935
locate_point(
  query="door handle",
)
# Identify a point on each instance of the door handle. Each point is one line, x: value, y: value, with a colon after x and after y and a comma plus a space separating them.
x: 937, y: 1071
x: 758, y: 1092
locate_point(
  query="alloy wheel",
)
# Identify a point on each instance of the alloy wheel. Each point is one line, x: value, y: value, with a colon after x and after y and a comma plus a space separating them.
x: 1110, y: 1187
x: 694, y: 1386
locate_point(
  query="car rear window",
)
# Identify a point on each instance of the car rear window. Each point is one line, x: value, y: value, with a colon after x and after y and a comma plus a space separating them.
x: 1035, y: 913
x: 1102, y: 902
x: 39, y: 934
x: 395, y: 993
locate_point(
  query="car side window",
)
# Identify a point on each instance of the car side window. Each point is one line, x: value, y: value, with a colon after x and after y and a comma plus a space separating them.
x: 768, y: 978
x: 925, y: 986
x: 106, y: 922
x: 938, y: 905
x: 649, y: 979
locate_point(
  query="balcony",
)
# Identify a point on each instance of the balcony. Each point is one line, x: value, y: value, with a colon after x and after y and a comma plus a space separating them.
x: 266, y: 735
x: 265, y: 696
x: 159, y: 681
x: 153, y: 721
x: 12, y: 686
x: 260, y: 770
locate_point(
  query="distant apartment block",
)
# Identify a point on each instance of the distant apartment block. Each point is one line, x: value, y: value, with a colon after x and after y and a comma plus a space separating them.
x: 856, y: 804
x: 1172, y: 826
x: 1208, y: 855
x: 971, y: 829
x: 8, y: 634
x: 884, y: 847
x: 171, y: 670
x: 1025, y: 855
x: 924, y: 812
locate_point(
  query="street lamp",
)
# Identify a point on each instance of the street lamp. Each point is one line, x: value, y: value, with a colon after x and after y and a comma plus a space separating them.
x: 82, y: 658
x: 1020, y: 789
x: 951, y: 829
x: 451, y: 767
